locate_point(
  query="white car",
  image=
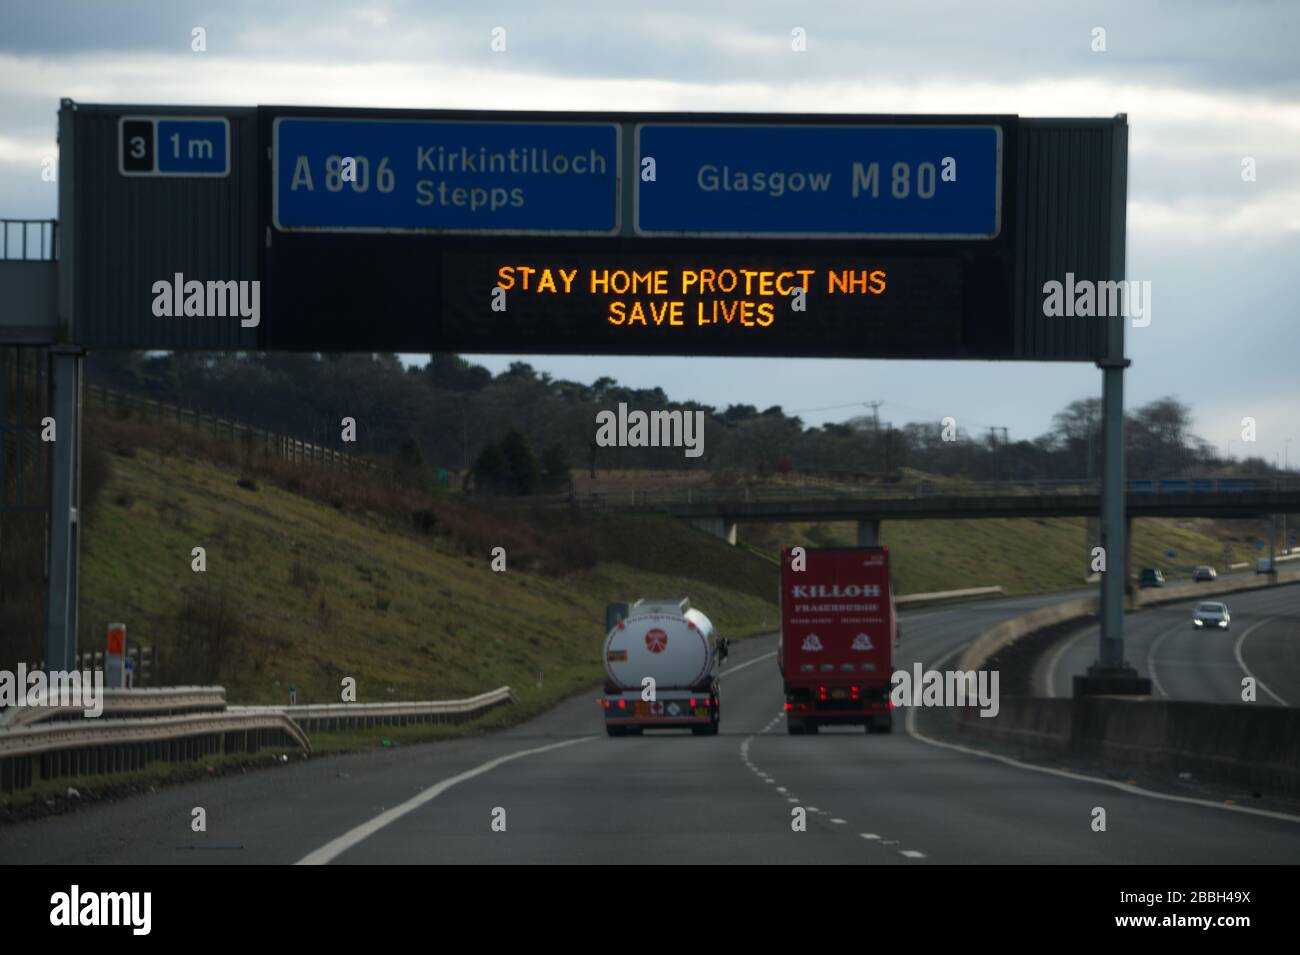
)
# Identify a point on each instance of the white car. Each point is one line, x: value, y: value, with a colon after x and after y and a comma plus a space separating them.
x: 1211, y: 616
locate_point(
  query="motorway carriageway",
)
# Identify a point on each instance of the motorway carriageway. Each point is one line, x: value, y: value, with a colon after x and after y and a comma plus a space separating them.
x: 571, y: 794
x: 1207, y: 665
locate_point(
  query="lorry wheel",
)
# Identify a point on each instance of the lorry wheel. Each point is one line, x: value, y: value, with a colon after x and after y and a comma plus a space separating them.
x: 887, y: 726
x: 810, y: 728
x: 616, y: 730
x: 794, y: 727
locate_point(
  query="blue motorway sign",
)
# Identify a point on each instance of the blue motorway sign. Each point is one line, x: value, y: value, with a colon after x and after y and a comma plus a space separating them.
x: 897, y: 182
x: 189, y: 146
x: 444, y: 176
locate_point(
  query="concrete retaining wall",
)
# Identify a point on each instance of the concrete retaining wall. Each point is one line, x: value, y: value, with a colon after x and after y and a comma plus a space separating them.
x: 1251, y: 745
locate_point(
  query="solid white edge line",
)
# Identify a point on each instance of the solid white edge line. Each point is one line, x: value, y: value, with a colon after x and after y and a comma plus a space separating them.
x: 1056, y: 658
x: 1151, y: 660
x: 911, y: 853
x: 910, y: 725
x: 1236, y: 652
x: 336, y: 847
x: 748, y: 664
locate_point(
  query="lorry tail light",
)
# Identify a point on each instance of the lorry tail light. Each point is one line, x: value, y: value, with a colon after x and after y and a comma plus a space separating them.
x: 789, y: 705
x: 692, y: 702
x: 856, y: 692
x: 622, y: 704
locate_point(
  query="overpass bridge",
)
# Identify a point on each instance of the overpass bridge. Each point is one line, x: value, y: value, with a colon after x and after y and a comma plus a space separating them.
x: 718, y: 511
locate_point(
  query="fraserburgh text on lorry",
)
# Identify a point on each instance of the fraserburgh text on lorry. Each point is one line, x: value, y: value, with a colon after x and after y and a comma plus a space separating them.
x: 838, y: 632
x: 661, y: 668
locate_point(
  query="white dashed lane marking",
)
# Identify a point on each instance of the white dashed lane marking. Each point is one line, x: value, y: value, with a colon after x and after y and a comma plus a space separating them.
x: 834, y: 820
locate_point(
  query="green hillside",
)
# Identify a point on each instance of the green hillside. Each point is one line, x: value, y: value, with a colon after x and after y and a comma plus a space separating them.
x: 301, y: 593
x: 314, y: 576
x: 1022, y: 555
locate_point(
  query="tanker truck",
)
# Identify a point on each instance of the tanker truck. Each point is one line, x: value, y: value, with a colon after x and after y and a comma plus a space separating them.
x: 661, y: 668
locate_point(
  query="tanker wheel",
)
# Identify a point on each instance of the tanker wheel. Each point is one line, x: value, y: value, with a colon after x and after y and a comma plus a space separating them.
x: 884, y: 726
x: 794, y: 727
x: 810, y: 728
x: 710, y: 729
x: 616, y: 730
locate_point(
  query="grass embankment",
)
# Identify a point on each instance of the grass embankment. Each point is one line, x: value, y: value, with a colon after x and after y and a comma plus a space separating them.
x: 313, y: 576
x: 298, y: 592
x: 1022, y: 555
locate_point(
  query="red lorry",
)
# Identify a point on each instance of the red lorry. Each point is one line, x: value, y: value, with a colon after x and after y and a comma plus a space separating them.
x: 838, y: 632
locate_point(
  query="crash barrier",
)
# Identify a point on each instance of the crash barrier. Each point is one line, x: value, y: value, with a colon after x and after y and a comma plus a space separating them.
x: 1252, y: 745
x: 151, y: 701
x: 52, y: 746
x: 1003, y: 634
x: 1007, y: 632
x: 1172, y: 593
x: 944, y: 596
x: 342, y: 716
x: 1245, y: 744
x: 86, y: 746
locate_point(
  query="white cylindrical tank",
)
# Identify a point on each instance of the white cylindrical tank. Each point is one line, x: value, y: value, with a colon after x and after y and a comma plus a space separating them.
x: 666, y: 640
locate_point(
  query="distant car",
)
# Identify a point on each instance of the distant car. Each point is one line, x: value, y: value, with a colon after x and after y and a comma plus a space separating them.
x: 1204, y: 572
x: 1211, y: 615
x: 1150, y: 577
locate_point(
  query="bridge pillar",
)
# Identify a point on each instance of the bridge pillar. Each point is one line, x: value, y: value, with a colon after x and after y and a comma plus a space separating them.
x: 65, y: 502
x: 1132, y: 600
x: 717, y: 526
x: 869, y: 533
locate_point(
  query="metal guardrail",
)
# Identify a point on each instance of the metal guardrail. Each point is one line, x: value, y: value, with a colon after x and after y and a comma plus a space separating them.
x: 65, y: 749
x: 127, y: 741
x: 945, y: 595
x: 336, y: 716
x: 118, y: 704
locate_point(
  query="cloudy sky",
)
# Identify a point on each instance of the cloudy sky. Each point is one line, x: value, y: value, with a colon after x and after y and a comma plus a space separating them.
x: 1204, y: 84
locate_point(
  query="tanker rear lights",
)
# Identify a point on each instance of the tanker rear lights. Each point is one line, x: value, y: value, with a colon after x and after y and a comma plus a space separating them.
x: 622, y: 704
x: 855, y: 692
